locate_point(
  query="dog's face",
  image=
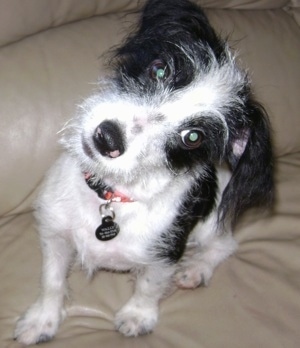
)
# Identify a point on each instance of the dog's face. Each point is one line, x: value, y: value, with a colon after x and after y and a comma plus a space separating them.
x: 174, y: 103
x: 179, y: 130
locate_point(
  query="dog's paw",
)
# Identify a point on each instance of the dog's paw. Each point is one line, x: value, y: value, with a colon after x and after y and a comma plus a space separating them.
x: 38, y: 325
x: 135, y: 321
x: 193, y: 276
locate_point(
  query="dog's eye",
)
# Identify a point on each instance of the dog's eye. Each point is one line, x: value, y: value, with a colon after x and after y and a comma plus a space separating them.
x: 158, y: 70
x: 191, y: 138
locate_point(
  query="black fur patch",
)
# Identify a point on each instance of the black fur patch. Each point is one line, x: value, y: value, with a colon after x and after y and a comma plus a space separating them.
x: 197, y: 205
x: 164, y: 27
x: 252, y: 181
x: 211, y: 149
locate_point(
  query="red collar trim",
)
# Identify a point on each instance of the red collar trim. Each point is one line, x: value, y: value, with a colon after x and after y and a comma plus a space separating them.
x: 117, y: 196
x: 106, y: 192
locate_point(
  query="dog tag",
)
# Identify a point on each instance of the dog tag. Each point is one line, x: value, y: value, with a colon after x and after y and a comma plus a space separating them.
x: 107, y: 230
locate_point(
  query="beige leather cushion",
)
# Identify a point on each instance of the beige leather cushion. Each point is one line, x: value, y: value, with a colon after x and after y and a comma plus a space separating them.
x: 19, y: 18
x: 253, y: 300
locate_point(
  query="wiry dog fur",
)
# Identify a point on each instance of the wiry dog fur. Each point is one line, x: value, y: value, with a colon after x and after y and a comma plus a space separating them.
x: 176, y: 129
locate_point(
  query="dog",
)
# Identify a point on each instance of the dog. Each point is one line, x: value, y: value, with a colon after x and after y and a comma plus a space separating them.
x: 157, y: 166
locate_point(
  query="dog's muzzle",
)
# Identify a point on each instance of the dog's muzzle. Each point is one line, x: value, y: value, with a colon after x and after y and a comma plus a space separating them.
x: 108, y: 139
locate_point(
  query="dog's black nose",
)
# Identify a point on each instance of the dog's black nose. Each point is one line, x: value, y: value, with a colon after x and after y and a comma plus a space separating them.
x: 108, y: 139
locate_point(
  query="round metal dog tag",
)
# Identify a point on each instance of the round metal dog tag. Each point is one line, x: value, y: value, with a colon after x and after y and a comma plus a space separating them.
x: 108, y: 229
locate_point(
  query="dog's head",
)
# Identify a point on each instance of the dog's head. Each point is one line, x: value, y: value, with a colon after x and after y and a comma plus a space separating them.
x: 176, y: 103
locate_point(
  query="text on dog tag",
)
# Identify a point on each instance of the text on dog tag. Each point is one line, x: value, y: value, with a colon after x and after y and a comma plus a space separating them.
x: 108, y: 229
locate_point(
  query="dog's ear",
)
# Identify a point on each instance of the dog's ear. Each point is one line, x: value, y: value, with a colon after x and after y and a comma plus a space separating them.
x: 251, y: 160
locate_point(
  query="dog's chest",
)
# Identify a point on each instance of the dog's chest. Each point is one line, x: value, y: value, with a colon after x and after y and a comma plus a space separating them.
x: 139, y: 228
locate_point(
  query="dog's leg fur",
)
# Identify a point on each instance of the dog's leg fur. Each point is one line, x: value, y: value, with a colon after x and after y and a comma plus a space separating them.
x: 41, y: 321
x: 197, y: 266
x: 140, y: 313
x: 205, y: 251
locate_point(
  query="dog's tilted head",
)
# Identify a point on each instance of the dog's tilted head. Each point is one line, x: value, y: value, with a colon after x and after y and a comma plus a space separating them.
x: 176, y: 104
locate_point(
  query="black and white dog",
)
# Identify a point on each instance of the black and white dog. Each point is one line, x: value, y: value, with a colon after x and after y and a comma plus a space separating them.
x: 158, y: 164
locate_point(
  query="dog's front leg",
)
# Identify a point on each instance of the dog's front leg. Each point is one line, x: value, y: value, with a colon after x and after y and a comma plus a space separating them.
x: 140, y: 313
x: 40, y: 322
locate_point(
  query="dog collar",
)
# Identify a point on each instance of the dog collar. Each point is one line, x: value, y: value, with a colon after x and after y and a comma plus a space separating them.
x: 104, y: 191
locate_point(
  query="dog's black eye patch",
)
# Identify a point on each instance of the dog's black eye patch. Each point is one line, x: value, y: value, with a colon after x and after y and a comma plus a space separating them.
x: 200, y: 140
x: 191, y: 138
x: 159, y: 70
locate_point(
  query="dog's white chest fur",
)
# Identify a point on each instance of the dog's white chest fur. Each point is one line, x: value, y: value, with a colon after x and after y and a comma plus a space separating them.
x: 141, y: 222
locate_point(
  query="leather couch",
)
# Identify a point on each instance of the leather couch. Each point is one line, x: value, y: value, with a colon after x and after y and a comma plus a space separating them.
x: 51, y: 53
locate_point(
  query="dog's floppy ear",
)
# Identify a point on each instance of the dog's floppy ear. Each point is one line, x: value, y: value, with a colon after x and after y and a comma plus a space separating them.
x: 251, y: 160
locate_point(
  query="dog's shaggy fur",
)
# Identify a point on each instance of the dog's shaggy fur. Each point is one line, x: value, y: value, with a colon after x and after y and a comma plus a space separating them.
x: 175, y: 134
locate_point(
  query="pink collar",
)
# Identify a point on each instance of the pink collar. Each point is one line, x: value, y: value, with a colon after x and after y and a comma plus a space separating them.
x: 116, y: 196
x: 106, y: 192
